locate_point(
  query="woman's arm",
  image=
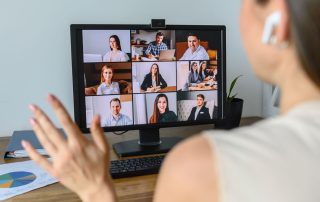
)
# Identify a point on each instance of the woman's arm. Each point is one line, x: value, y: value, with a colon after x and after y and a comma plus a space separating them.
x: 189, y: 173
x: 116, y: 88
x: 99, y: 91
x: 124, y: 57
x: 162, y: 82
x: 146, y: 82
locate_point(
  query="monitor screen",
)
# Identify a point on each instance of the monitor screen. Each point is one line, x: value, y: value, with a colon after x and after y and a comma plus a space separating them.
x: 137, y: 77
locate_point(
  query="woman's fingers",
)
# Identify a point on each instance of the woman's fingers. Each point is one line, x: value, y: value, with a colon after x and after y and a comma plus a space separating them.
x: 68, y: 125
x: 47, y: 144
x: 40, y: 160
x: 45, y: 130
x: 98, y: 135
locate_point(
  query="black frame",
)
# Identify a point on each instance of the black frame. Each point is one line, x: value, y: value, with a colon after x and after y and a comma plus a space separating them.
x: 78, y: 72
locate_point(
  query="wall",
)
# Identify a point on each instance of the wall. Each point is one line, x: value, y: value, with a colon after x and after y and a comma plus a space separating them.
x: 36, y: 57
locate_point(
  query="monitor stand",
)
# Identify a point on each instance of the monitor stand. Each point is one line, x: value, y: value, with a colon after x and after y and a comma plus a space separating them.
x: 149, y: 143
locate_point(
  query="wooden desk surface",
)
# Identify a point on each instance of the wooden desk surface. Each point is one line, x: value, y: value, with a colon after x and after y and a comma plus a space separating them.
x: 163, y: 90
x: 128, y: 189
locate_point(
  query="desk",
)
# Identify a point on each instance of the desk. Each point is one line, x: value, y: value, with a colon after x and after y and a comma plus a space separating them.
x: 128, y: 189
x: 163, y: 90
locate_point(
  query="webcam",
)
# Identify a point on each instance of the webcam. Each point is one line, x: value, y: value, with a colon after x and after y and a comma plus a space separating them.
x: 158, y: 23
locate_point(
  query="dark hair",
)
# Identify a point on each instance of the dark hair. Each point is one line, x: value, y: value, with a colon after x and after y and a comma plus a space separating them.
x: 115, y: 100
x: 191, y: 69
x: 117, y: 41
x: 193, y: 34
x: 157, y: 74
x: 159, y: 34
x: 305, y: 32
x: 155, y: 115
x: 203, y: 62
x: 201, y: 95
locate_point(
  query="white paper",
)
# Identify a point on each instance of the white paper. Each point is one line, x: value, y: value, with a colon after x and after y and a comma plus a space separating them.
x: 40, y: 178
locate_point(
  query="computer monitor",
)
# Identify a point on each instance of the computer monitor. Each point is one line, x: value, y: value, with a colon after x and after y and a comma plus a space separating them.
x: 118, y: 73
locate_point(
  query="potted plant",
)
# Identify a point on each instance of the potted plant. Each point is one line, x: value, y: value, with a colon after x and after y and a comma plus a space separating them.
x: 232, y: 109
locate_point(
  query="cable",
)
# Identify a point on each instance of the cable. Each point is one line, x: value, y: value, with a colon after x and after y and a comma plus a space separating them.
x: 120, y: 133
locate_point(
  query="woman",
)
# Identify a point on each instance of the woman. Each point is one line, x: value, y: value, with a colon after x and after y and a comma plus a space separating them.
x: 274, y: 160
x: 194, y: 77
x: 204, y: 71
x: 161, y: 112
x: 153, y: 81
x: 107, y: 86
x: 115, y: 54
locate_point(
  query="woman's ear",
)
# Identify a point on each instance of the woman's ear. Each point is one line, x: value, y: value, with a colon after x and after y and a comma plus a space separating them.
x: 276, y: 28
x: 282, y: 31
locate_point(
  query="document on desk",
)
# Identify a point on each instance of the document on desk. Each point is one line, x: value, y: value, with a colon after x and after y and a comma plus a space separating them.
x: 148, y: 59
x: 21, y: 177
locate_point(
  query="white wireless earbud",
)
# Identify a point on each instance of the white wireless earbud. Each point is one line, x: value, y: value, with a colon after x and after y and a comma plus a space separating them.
x: 271, y: 22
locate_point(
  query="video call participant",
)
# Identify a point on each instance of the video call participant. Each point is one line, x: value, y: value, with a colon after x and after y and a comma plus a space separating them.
x: 195, y: 50
x: 107, y: 86
x: 200, y: 112
x: 194, y: 77
x: 205, y: 72
x: 115, y: 54
x: 116, y: 118
x: 161, y: 112
x: 153, y: 81
x: 156, y: 46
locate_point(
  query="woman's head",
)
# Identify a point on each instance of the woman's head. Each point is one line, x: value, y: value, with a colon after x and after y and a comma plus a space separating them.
x: 162, y: 103
x: 154, y: 69
x: 203, y: 65
x: 114, y: 42
x: 194, y: 67
x: 299, y: 27
x: 106, y: 74
x: 160, y: 106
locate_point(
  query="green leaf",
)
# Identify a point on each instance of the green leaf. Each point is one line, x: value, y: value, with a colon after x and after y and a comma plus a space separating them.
x: 233, y: 83
x: 229, y: 99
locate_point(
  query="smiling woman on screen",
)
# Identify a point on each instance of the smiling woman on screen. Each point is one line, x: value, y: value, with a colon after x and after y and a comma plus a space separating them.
x: 274, y: 160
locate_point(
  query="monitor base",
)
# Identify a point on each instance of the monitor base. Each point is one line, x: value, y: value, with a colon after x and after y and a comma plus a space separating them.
x: 134, y: 147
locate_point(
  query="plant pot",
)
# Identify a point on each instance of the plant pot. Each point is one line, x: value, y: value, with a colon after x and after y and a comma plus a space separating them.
x: 232, y: 115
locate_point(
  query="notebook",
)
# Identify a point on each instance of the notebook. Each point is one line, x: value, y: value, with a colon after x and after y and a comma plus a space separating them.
x: 15, y: 149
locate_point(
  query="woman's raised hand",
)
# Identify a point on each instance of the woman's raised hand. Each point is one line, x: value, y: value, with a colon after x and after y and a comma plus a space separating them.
x: 80, y: 164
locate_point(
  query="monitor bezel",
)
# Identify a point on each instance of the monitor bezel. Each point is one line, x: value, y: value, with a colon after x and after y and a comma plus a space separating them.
x: 78, y: 72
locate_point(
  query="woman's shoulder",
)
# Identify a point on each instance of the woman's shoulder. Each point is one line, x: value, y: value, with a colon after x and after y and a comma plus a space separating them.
x: 277, y: 132
x: 101, y: 85
x: 121, y: 52
x: 115, y: 83
x: 170, y: 114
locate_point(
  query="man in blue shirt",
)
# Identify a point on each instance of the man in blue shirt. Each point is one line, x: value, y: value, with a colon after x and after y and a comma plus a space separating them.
x: 116, y: 118
x: 156, y: 46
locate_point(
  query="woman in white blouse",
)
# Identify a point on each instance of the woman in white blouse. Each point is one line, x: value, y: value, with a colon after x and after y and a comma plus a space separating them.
x: 275, y: 160
x: 115, y: 54
x: 107, y: 86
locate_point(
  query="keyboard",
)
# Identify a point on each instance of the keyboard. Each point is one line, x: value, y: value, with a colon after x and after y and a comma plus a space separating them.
x: 135, y: 166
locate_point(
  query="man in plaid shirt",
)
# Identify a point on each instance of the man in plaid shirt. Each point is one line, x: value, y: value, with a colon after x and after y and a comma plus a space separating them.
x: 156, y: 46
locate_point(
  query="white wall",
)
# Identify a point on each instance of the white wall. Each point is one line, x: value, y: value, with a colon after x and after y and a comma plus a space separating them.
x: 36, y: 57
